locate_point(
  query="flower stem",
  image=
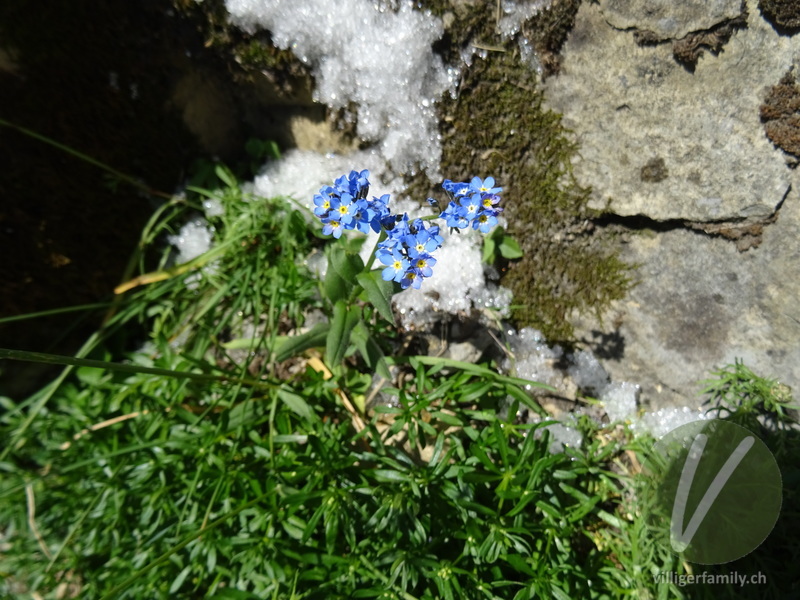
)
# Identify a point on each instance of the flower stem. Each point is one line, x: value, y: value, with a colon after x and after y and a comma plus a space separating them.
x: 371, y: 260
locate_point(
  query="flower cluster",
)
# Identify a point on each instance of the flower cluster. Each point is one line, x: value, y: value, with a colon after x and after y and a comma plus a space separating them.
x: 405, y: 248
x: 344, y: 205
x: 406, y: 251
x: 472, y: 203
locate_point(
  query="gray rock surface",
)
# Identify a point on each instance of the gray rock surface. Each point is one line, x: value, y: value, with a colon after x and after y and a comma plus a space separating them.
x: 661, y: 141
x: 699, y: 305
x: 669, y: 19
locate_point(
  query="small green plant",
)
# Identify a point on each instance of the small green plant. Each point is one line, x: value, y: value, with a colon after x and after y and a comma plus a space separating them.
x: 741, y: 396
x: 734, y: 393
x: 500, y: 244
x: 224, y: 458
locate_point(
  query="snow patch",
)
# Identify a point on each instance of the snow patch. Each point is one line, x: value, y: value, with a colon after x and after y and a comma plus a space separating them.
x: 363, y: 54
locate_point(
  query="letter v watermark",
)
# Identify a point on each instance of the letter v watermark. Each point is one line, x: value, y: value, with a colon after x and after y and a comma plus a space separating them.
x: 679, y: 538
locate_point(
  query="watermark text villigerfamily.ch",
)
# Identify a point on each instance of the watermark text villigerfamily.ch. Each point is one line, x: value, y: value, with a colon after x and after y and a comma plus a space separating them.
x: 732, y: 578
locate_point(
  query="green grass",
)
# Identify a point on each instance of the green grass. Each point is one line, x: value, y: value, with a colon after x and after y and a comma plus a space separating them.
x: 222, y: 460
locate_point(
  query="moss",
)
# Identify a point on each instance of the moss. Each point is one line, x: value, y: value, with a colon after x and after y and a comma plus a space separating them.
x: 498, y: 126
x: 784, y: 14
x: 780, y: 114
x: 654, y: 170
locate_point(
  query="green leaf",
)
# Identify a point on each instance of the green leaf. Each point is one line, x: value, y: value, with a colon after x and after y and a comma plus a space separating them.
x: 370, y: 350
x: 546, y: 508
x: 344, y: 319
x: 347, y: 266
x: 225, y: 176
x: 527, y: 497
x: 519, y: 563
x: 489, y: 247
x: 509, y: 248
x: 389, y: 476
x: 379, y: 293
x: 335, y: 287
x: 559, y: 594
x: 290, y: 438
x: 233, y: 594
x: 342, y: 271
x: 90, y: 376
x: 611, y: 519
x: 176, y: 585
x: 447, y: 418
x: 299, y: 343
x: 297, y: 404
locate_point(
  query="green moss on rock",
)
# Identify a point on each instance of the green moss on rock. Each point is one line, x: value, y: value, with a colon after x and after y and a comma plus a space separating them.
x: 498, y: 126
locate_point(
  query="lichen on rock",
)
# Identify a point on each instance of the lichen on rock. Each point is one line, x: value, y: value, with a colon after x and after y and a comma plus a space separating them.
x: 783, y: 13
x: 781, y: 114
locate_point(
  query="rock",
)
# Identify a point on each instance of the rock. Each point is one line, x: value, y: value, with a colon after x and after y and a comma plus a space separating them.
x: 700, y: 304
x: 689, y: 149
x: 668, y: 19
x: 660, y: 140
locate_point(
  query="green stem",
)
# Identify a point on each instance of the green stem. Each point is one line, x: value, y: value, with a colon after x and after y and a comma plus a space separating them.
x: 367, y: 268
x: 56, y: 359
x: 126, y: 178
x: 383, y: 235
x: 55, y: 311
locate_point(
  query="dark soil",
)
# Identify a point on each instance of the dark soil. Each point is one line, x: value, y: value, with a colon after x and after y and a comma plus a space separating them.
x: 97, y: 78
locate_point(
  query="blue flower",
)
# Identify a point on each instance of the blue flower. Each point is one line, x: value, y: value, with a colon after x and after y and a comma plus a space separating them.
x: 322, y: 204
x: 364, y: 217
x: 406, y: 247
x: 485, y: 221
x: 473, y: 204
x: 395, y: 226
x: 332, y: 226
x: 490, y: 201
x: 380, y: 211
x: 345, y: 202
x: 484, y: 187
x: 454, y: 216
x: 359, y: 184
x: 425, y: 240
x: 343, y: 209
x: 397, y: 265
x: 421, y: 262
x: 411, y: 279
x: 455, y: 189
